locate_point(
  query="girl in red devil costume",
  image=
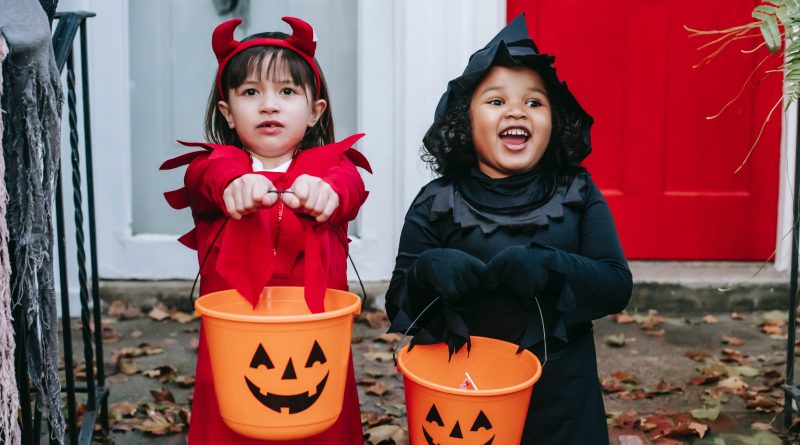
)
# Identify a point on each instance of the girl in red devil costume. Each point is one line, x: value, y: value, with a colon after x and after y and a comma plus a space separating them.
x: 271, y: 196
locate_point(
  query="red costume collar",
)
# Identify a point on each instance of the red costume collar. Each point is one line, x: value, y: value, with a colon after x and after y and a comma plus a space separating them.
x: 303, y: 41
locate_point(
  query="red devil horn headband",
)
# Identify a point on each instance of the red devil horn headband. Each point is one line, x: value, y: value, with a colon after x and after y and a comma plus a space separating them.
x: 302, y: 41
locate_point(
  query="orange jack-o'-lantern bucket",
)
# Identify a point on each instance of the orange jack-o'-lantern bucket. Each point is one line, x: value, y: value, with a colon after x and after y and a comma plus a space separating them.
x: 477, y: 397
x: 279, y: 370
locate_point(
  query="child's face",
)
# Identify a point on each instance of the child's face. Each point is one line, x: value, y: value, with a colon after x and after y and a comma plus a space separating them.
x: 271, y: 115
x: 511, y: 121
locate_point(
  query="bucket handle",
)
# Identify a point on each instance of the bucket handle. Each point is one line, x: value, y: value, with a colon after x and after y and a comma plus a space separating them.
x: 405, y: 334
x: 333, y: 229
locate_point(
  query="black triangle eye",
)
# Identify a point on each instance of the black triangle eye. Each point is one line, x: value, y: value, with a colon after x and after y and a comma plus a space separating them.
x: 481, y: 422
x: 434, y: 417
x: 261, y: 358
x: 316, y: 355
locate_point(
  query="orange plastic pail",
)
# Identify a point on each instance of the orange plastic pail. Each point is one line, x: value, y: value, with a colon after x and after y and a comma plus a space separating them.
x: 279, y: 370
x: 441, y: 412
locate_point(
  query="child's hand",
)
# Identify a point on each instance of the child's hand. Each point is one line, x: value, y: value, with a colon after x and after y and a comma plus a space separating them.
x: 521, y: 270
x: 247, y: 193
x: 313, y: 196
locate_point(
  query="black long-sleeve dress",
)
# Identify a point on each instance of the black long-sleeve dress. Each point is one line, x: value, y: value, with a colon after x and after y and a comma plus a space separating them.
x: 589, y: 278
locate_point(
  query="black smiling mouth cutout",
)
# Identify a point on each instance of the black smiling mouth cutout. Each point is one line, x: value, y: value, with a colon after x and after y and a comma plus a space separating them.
x: 294, y: 403
x: 429, y: 439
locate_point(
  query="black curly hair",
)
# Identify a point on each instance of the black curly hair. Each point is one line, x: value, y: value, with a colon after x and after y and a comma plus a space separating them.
x: 449, y: 151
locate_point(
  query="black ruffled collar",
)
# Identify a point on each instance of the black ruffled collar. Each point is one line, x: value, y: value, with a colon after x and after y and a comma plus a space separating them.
x: 448, y: 199
x: 506, y: 196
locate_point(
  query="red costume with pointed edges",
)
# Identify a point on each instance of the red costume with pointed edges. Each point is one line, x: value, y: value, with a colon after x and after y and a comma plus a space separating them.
x: 274, y: 246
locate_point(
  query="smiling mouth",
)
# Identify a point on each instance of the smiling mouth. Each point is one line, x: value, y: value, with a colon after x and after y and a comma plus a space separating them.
x: 429, y: 439
x: 294, y: 403
x: 515, y: 138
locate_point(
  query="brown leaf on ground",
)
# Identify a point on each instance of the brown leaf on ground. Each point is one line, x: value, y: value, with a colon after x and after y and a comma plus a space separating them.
x: 611, y: 386
x: 710, y: 319
x: 759, y: 426
x: 636, y: 394
x: 385, y: 433
x: 615, y: 341
x: 378, y: 356
x: 110, y: 335
x: 116, y: 308
x: 389, y: 339
x: 159, y: 424
x: 123, y: 409
x: 162, y: 395
x: 136, y: 333
x: 737, y: 316
x: 664, y: 387
x: 703, y: 379
x: 379, y: 389
x: 732, y: 355
x: 366, y: 382
x: 373, y: 419
x: 732, y: 384
x: 626, y: 419
x: 698, y: 356
x: 185, y: 380
x: 165, y: 373
x: 127, y: 366
x: 764, y: 404
x: 655, y: 332
x: 159, y: 312
x: 183, y: 317
x: 623, y: 318
x: 375, y: 319
x: 625, y: 377
x: 733, y: 341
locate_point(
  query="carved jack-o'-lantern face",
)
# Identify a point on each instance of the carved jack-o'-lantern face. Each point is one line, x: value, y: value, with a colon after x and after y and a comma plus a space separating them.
x: 294, y: 403
x: 437, y: 433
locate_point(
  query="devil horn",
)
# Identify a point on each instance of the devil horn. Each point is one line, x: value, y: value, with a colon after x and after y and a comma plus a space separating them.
x: 303, y: 36
x: 222, y: 39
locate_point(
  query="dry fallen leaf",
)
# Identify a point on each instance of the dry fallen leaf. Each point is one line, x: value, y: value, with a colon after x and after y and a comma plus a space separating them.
x: 615, y: 341
x: 710, y: 319
x: 698, y: 356
x: 183, y: 317
x: 385, y: 433
x: 379, y: 389
x: 122, y: 409
x: 162, y: 395
x: 759, y: 426
x: 159, y: 312
x: 733, y: 341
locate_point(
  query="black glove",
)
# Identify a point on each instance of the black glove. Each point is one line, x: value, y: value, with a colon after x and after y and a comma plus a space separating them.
x: 450, y: 273
x: 520, y: 269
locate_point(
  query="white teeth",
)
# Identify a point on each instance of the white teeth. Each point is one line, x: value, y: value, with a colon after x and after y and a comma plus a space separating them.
x: 515, y: 132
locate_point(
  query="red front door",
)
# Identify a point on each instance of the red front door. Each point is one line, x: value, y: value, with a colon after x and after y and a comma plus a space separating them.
x: 667, y: 171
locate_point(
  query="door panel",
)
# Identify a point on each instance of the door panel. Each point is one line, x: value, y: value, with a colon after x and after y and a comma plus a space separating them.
x: 666, y: 170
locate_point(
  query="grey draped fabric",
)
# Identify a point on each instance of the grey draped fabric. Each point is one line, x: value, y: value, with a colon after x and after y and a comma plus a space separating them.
x: 32, y: 102
x: 9, y: 397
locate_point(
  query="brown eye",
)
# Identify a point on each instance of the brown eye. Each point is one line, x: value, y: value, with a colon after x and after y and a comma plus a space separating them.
x: 434, y: 417
x: 481, y: 422
x: 261, y: 358
x: 316, y: 355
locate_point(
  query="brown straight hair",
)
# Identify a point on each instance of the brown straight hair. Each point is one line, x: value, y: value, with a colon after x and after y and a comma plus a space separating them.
x: 279, y: 60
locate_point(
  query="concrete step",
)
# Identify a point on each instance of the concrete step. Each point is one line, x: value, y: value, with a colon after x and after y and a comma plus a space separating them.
x: 667, y: 286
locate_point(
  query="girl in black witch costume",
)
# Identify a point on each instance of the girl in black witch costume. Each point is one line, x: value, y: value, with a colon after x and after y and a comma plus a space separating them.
x: 514, y: 237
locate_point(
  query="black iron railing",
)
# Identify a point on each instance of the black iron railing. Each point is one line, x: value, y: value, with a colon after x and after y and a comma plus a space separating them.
x: 70, y: 25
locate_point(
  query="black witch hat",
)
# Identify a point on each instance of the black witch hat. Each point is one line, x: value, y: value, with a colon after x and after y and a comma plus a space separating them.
x: 513, y: 46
